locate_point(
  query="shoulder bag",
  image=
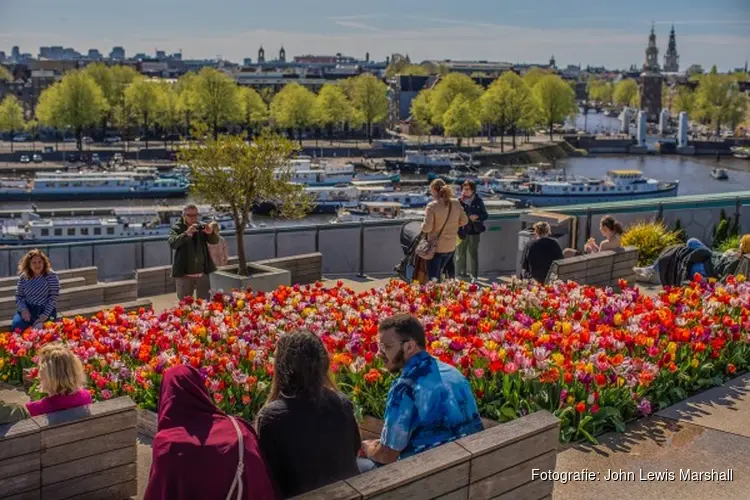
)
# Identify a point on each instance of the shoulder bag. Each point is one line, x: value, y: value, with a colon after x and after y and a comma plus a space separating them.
x: 427, y: 248
x: 237, y: 482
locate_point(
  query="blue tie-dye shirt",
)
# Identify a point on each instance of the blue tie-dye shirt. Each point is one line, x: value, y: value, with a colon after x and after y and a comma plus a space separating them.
x: 431, y: 403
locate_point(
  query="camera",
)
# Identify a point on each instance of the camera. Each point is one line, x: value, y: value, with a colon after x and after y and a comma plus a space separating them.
x: 201, y: 226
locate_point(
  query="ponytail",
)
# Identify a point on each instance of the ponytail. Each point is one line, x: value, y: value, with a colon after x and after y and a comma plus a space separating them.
x: 444, y: 191
x: 610, y: 223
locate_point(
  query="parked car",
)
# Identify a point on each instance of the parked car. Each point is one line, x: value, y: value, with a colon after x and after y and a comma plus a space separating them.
x: 21, y: 138
x: 87, y: 140
x: 69, y: 139
x: 37, y: 158
x: 25, y: 159
x: 113, y: 139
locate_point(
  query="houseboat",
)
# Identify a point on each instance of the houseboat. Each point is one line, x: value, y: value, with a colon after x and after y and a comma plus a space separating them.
x: 63, y: 186
x: 433, y: 161
x: 369, y: 211
x: 619, y: 185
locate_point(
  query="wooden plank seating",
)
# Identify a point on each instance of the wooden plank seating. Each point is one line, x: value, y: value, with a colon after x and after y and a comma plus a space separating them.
x: 494, y: 463
x: 87, y: 452
x: 90, y: 274
x: 82, y: 296
x: 10, y: 291
x: 86, y: 312
x: 154, y: 281
x: 597, y: 269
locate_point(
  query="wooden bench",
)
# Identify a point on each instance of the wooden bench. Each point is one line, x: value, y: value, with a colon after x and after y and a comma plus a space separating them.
x: 598, y: 269
x: 87, y: 452
x: 493, y: 464
x: 10, y: 291
x: 83, y: 296
x: 90, y: 274
x: 87, y: 312
x: 155, y: 281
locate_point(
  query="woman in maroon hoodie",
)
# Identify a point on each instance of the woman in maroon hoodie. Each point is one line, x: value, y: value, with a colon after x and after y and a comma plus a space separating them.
x: 198, y: 449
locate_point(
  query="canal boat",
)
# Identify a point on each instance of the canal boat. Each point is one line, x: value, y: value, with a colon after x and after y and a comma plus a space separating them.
x: 719, y: 174
x: 434, y: 161
x: 741, y: 152
x: 619, y: 185
x: 65, y: 186
x: 369, y: 211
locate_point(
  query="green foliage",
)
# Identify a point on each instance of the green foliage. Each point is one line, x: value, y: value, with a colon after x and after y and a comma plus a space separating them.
x: 76, y: 102
x: 535, y: 75
x: 369, y: 97
x: 650, y: 238
x: 684, y: 100
x: 727, y: 229
x: 11, y: 115
x: 731, y: 243
x: 600, y: 91
x: 333, y: 107
x: 230, y: 172
x: 461, y: 119
x: 420, y: 111
x: 142, y: 99
x: 5, y: 74
x: 508, y: 104
x: 169, y: 115
x: 626, y: 93
x: 718, y: 101
x: 555, y: 99
x: 447, y: 90
x: 254, y: 108
x: 217, y: 99
x: 294, y: 108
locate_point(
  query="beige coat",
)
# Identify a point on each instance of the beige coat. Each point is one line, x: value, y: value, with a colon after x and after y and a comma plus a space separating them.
x: 434, y: 218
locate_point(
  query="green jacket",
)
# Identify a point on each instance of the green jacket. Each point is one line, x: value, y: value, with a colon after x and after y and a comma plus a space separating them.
x: 11, y: 412
x: 187, y: 249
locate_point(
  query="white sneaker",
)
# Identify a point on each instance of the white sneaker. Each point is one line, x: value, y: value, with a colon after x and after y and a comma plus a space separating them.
x: 645, y: 273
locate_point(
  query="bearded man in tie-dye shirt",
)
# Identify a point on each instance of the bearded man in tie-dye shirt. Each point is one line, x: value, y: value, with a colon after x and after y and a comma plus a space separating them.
x: 429, y: 404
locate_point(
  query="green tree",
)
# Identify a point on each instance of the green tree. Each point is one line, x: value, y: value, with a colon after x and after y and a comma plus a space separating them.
x: 684, y: 100
x: 333, y: 107
x: 493, y: 106
x: 104, y: 77
x: 143, y: 99
x: 5, y: 74
x: 535, y: 75
x: 517, y: 102
x: 421, y: 116
x: 254, y: 109
x: 218, y: 100
x: 600, y: 91
x: 716, y: 98
x: 187, y: 99
x: 76, y: 102
x: 404, y: 68
x: 168, y: 110
x: 447, y: 90
x: 556, y: 101
x: 626, y: 92
x: 461, y: 120
x: 11, y: 117
x: 293, y: 108
x: 118, y: 114
x: 231, y: 172
x: 369, y: 98
x: 45, y: 110
x: 32, y: 128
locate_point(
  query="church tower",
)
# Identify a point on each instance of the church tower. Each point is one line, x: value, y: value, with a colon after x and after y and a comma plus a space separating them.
x: 651, y: 80
x: 671, y: 59
x: 282, y: 54
x: 261, y: 55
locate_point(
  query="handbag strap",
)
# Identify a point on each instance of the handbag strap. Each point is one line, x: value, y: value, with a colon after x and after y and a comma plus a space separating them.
x: 450, y: 207
x: 237, y: 482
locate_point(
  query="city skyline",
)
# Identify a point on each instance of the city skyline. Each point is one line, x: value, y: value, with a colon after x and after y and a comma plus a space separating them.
x: 585, y: 31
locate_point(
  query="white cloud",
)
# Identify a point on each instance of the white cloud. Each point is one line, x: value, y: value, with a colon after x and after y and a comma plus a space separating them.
x: 356, y: 25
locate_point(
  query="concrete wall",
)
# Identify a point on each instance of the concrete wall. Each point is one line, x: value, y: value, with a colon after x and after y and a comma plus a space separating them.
x: 374, y: 248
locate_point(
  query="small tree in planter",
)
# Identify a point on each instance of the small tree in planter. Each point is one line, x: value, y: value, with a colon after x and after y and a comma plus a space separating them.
x: 227, y: 171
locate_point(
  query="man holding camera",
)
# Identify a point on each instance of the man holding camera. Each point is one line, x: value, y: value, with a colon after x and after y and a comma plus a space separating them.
x: 189, y: 238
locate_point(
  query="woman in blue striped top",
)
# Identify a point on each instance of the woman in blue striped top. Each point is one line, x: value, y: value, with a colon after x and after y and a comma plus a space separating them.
x: 36, y: 293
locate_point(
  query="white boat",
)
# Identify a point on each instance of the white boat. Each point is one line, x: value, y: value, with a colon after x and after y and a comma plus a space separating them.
x: 434, y: 161
x: 742, y: 152
x: 618, y: 185
x: 408, y: 199
x: 369, y: 211
x: 719, y: 174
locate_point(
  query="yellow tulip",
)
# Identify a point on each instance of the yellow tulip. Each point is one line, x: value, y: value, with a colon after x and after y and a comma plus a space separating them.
x: 672, y: 347
x: 536, y: 327
x: 694, y: 363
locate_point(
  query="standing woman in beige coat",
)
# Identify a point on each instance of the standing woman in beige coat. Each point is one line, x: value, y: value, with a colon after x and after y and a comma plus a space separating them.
x: 442, y: 218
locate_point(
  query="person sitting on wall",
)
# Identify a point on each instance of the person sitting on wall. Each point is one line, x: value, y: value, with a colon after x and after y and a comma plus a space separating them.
x: 612, y: 232
x: 307, y: 430
x: 429, y: 404
x: 36, y: 293
x: 540, y: 253
x: 192, y: 264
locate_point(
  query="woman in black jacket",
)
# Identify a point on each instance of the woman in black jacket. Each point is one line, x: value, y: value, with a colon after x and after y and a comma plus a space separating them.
x: 469, y: 247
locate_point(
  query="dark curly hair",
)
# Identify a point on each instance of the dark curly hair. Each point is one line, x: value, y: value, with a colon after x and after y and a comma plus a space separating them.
x: 301, y: 368
x: 24, y: 266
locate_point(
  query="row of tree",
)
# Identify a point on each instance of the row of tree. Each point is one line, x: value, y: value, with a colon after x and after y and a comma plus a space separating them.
x: 716, y: 100
x: 118, y: 97
x: 511, y: 104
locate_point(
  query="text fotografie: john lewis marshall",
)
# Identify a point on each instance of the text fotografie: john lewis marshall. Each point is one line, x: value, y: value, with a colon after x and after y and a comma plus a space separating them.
x: 670, y: 475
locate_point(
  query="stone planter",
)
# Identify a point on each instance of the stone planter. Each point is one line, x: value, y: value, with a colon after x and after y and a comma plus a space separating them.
x: 260, y: 277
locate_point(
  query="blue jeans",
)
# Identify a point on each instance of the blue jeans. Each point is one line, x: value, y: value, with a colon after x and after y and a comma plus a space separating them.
x: 436, y: 265
x: 35, y: 311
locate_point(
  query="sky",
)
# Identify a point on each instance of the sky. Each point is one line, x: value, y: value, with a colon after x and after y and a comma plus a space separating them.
x: 590, y: 32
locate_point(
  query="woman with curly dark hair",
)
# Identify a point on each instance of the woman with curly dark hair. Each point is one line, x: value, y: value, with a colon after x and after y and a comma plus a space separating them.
x: 36, y: 293
x: 307, y: 430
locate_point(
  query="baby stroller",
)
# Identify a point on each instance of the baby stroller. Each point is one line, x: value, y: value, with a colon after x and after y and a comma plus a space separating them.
x: 412, y: 267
